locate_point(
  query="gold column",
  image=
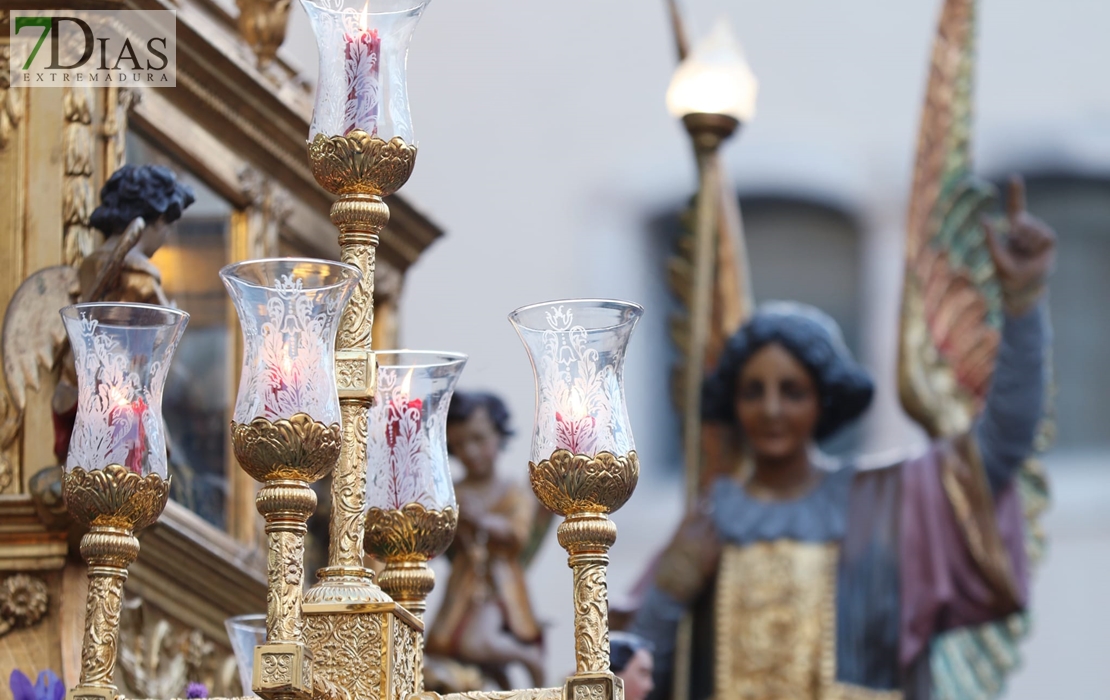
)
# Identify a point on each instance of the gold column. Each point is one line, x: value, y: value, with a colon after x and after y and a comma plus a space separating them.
x: 361, y: 169
x: 363, y: 643
x: 586, y: 490
x: 113, y: 502
x: 286, y: 455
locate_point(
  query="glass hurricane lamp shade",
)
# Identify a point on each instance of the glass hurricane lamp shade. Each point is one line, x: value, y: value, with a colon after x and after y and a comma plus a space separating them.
x: 714, y: 79
x: 122, y: 354
x: 577, y: 348
x: 406, y: 449
x: 289, y: 310
x: 363, y: 47
x: 245, y: 632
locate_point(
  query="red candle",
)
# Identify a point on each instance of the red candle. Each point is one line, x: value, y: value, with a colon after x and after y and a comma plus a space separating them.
x: 402, y: 435
x: 128, y: 416
x: 362, y: 65
x: 575, y: 428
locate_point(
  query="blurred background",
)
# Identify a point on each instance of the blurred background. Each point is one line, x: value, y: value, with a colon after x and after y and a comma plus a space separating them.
x: 548, y: 156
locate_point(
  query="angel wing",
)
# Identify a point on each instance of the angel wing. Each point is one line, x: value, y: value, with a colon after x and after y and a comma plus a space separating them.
x: 951, y: 320
x: 33, y: 334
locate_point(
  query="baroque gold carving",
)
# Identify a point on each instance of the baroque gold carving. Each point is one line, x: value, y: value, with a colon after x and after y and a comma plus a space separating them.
x: 591, y: 611
x: 78, y: 200
x: 358, y: 316
x: 262, y: 24
x: 283, y: 671
x: 159, y: 656
x: 102, y: 615
x: 118, y: 102
x: 347, y: 651
x: 294, y: 448
x: 529, y: 694
x: 24, y: 601
x: 349, y: 489
x: 115, y: 497
x: 408, y: 677
x: 411, y: 534
x: 568, y: 483
x: 11, y: 101
x: 359, y: 163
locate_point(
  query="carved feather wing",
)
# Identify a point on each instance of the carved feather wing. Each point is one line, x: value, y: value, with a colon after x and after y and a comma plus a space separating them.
x: 951, y: 303
x: 33, y: 334
x: 951, y: 320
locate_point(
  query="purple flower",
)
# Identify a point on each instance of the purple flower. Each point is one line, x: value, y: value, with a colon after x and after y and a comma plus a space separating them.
x: 196, y: 690
x: 47, y: 687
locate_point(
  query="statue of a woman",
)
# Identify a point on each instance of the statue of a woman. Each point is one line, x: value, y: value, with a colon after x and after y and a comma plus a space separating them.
x: 812, y: 584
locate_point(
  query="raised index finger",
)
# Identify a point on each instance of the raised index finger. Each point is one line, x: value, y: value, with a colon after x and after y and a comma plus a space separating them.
x: 1015, y: 203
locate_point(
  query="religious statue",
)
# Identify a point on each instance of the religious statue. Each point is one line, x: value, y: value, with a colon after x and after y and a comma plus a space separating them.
x: 137, y: 205
x: 631, y: 659
x: 907, y: 581
x: 487, y: 618
x: 822, y: 584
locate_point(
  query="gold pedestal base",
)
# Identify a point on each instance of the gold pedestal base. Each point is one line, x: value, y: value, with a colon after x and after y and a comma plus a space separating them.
x: 368, y: 651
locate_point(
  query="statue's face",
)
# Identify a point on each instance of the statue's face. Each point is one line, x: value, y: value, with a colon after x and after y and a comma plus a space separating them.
x: 476, y: 442
x: 636, y: 675
x: 777, y: 403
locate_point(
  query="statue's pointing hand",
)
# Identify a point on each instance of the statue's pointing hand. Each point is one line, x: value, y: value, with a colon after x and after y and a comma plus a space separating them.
x: 1024, y: 258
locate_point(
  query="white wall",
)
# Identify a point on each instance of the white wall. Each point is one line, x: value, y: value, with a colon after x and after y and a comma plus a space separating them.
x: 544, y: 145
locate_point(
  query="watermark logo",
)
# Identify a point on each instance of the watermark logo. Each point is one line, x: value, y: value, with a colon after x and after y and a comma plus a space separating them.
x: 123, y: 48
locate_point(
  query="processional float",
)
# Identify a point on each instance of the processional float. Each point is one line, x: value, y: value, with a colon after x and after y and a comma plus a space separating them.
x: 315, y: 399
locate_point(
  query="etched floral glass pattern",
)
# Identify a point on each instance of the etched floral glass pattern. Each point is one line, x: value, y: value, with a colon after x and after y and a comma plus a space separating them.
x: 363, y: 47
x: 577, y: 349
x: 122, y: 355
x: 406, y: 449
x: 289, y: 310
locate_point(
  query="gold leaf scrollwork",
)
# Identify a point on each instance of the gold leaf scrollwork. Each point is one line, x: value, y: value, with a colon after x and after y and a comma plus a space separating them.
x: 349, y: 488
x: 408, y: 677
x: 568, y: 483
x: 356, y: 327
x: 262, y: 24
x: 23, y: 602
x: 359, y: 163
x: 115, y: 497
x: 102, y: 615
x: 285, y: 579
x: 346, y: 651
x: 78, y: 199
x: 11, y: 101
x: 411, y: 534
x: 591, y: 628
x: 295, y: 448
x: 277, y: 669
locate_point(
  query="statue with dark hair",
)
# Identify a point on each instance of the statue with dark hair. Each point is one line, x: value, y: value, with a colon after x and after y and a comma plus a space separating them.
x: 821, y: 584
x: 137, y: 205
x: 487, y: 618
x: 631, y: 659
x: 148, y: 191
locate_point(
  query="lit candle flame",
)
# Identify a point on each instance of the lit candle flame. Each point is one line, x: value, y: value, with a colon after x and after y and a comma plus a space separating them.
x: 577, y: 405
x: 364, y: 23
x: 406, y: 385
x: 286, y: 364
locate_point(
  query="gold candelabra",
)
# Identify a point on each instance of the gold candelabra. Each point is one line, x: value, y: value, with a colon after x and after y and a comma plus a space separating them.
x: 347, y: 638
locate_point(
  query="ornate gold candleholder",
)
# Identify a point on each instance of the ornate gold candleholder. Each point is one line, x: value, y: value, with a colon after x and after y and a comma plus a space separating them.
x: 115, y: 503
x: 585, y: 490
x: 361, y: 169
x: 406, y: 539
x: 286, y: 456
x: 363, y: 641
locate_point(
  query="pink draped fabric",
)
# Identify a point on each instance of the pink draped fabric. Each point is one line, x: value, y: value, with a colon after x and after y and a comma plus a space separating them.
x: 942, y: 585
